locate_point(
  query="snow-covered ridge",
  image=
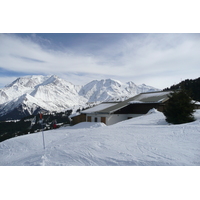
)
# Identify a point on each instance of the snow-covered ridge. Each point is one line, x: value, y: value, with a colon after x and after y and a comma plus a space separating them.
x: 52, y: 93
x: 112, y: 90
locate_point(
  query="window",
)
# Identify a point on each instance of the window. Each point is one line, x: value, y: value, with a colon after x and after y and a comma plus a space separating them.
x: 95, y: 119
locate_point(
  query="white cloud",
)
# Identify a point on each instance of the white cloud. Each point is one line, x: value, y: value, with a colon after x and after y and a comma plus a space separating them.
x: 155, y: 59
x: 19, y: 54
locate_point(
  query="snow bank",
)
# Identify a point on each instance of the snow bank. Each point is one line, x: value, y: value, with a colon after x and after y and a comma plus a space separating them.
x: 87, y: 125
x: 153, y: 110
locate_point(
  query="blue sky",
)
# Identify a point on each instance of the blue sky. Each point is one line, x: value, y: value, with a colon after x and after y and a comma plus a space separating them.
x: 159, y: 60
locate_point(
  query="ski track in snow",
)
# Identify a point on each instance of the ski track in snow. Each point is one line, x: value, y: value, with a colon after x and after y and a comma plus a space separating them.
x: 141, y: 141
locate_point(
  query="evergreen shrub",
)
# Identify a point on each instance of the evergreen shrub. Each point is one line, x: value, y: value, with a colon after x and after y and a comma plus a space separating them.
x: 179, y: 108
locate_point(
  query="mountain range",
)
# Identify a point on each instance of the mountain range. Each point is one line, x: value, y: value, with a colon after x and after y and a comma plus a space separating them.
x: 32, y: 94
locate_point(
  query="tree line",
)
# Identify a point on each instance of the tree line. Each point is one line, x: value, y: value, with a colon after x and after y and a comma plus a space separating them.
x: 190, y: 86
x: 31, y: 124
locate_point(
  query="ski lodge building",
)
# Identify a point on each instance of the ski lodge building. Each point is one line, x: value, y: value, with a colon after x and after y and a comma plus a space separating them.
x: 113, y: 112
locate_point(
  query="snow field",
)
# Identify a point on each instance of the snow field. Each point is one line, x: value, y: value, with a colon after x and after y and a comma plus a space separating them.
x: 143, y: 141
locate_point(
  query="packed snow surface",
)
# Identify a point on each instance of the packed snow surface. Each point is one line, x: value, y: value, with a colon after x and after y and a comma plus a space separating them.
x: 146, y: 140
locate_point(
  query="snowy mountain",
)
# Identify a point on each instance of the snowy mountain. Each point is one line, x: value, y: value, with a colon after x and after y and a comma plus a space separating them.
x: 31, y: 94
x: 112, y: 90
x: 23, y: 106
x: 19, y: 87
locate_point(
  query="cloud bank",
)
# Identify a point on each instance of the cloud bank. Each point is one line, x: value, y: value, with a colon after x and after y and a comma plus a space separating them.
x: 159, y: 60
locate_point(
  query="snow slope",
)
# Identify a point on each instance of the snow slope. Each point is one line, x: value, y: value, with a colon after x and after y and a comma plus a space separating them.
x: 20, y: 87
x: 145, y: 141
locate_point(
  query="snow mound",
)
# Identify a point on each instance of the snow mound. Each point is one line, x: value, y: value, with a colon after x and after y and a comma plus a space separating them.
x: 153, y: 110
x: 88, y: 125
x: 152, y: 118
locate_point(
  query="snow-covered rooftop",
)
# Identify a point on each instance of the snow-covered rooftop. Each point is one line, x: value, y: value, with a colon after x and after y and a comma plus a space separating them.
x: 99, y: 107
x: 151, y: 97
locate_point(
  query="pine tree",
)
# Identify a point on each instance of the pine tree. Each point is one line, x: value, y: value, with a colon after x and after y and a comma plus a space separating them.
x: 179, y: 108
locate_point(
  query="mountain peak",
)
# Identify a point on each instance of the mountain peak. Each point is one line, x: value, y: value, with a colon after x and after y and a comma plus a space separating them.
x: 131, y: 84
x: 110, y: 90
x: 52, y: 93
x: 28, y: 81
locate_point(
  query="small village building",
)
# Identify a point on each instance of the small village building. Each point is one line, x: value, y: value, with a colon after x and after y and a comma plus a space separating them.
x: 101, y: 113
x: 77, y: 118
x: 113, y: 112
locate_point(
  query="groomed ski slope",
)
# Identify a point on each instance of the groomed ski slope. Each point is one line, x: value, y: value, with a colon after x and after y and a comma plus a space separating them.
x: 143, y: 141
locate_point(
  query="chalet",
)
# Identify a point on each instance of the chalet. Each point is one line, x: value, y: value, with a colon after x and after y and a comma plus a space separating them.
x: 113, y: 112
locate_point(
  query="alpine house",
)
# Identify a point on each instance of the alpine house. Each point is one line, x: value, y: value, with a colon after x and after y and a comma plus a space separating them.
x: 113, y: 112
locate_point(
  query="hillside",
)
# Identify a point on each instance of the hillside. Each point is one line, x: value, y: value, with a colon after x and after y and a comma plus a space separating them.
x: 191, y: 86
x: 31, y: 124
x: 141, y: 141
